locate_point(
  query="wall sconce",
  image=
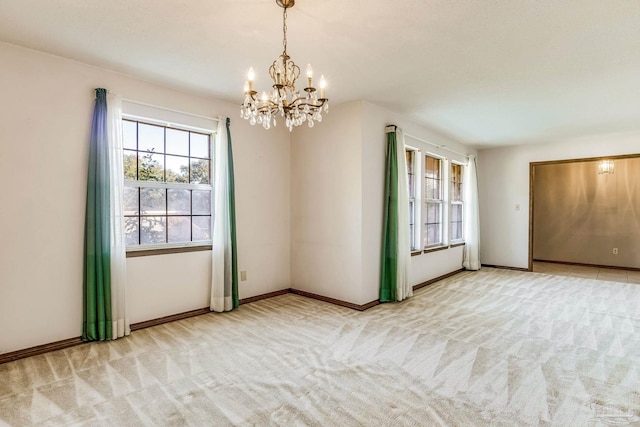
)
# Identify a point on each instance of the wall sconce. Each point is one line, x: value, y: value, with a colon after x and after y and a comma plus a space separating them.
x: 605, y: 167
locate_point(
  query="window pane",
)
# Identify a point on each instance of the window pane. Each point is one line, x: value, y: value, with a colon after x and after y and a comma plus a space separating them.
x: 150, y: 167
x: 130, y: 165
x: 432, y: 190
x: 178, y: 203
x: 456, y: 182
x: 152, y: 230
x: 433, y: 224
x: 177, y: 142
x: 410, y: 175
x: 179, y: 229
x: 130, y: 200
x: 432, y: 167
x: 456, y: 213
x: 456, y: 222
x: 456, y: 231
x: 199, y: 145
x: 129, y: 137
x: 432, y: 178
x: 455, y: 192
x: 201, y: 228
x: 131, y: 231
x: 177, y: 169
x: 411, y: 236
x: 201, y: 202
x: 412, y: 223
x: 199, y: 171
x: 409, y: 158
x: 433, y: 213
x: 411, y: 212
x: 150, y: 138
x: 152, y: 201
x: 432, y: 235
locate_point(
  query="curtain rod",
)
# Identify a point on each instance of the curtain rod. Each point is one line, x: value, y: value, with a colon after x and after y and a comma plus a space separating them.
x: 131, y: 101
x: 443, y: 147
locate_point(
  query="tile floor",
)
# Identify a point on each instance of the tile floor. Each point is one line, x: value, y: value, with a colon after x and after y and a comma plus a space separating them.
x: 610, y: 274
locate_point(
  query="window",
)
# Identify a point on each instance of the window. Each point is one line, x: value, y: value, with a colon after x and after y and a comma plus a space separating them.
x: 433, y: 202
x: 412, y: 156
x: 167, y: 194
x: 436, y: 205
x: 456, y: 202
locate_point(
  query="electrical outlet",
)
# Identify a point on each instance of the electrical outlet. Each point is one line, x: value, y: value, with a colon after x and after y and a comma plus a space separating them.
x: 243, y: 276
x: 615, y: 251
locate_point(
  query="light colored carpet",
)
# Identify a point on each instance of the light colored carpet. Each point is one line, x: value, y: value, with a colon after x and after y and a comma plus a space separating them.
x: 494, y: 347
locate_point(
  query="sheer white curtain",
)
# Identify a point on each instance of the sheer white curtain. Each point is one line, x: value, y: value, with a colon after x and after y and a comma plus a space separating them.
x: 221, y: 264
x: 119, y: 315
x: 404, y: 288
x: 471, y: 260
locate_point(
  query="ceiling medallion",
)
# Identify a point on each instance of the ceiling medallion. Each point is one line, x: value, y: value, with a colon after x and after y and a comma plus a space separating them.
x: 284, y: 99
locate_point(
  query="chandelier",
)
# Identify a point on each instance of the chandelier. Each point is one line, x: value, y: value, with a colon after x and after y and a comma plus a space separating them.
x: 605, y: 167
x: 284, y: 99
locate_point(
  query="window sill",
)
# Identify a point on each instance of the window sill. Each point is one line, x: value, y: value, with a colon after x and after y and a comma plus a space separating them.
x: 165, y: 251
x: 454, y: 245
x: 415, y: 253
x: 435, y: 249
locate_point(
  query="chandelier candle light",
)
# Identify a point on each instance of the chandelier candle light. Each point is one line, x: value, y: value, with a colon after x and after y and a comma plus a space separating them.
x: 605, y: 167
x: 284, y: 99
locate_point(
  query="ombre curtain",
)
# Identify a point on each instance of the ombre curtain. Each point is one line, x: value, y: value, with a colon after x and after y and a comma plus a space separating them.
x: 396, y: 253
x: 96, y: 324
x: 224, y: 274
x: 104, y: 278
x: 471, y: 222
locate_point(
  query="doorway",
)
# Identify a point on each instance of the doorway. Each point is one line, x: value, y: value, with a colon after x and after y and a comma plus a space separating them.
x: 585, y: 212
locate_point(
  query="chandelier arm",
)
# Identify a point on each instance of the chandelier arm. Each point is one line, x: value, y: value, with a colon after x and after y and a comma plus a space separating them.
x: 267, y: 103
x: 270, y: 111
x: 302, y: 102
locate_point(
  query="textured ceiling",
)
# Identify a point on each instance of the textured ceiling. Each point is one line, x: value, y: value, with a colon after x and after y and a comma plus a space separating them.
x: 484, y: 72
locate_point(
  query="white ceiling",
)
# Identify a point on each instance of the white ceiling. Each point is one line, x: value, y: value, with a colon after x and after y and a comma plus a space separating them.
x: 484, y: 72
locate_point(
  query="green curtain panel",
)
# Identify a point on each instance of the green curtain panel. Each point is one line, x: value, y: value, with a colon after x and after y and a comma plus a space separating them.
x: 389, y: 268
x: 232, y: 220
x: 96, y: 322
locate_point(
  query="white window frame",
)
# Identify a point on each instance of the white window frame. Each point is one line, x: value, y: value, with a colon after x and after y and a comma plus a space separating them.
x: 442, y: 202
x: 416, y: 199
x: 456, y: 202
x: 175, y: 185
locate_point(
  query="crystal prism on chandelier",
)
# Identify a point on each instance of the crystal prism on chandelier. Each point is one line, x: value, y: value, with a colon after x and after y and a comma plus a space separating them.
x: 284, y: 99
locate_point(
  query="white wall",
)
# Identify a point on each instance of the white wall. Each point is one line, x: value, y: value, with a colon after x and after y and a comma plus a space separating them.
x: 44, y: 129
x: 504, y: 183
x: 326, y: 205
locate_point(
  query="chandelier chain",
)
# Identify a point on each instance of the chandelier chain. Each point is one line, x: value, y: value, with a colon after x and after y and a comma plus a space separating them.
x: 284, y: 31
